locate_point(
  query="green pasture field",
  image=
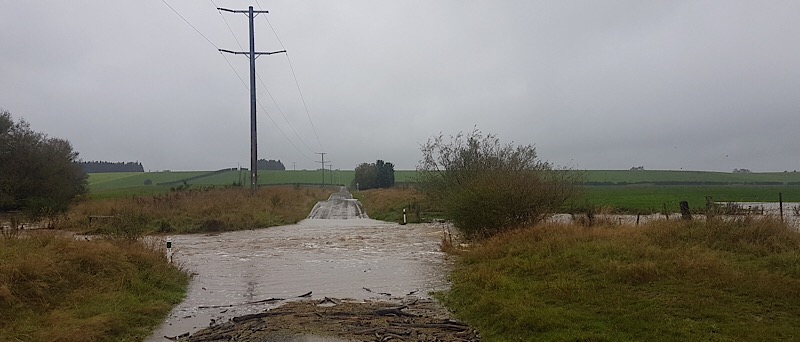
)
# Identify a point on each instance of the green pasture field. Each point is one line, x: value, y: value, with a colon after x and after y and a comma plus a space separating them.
x: 97, y: 179
x: 641, y: 194
x: 651, y: 199
x: 115, y: 184
x: 118, y: 180
x: 271, y: 177
x: 645, y: 176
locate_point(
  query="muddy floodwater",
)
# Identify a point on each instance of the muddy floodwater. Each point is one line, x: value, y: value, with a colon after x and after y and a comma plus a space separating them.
x: 246, y: 272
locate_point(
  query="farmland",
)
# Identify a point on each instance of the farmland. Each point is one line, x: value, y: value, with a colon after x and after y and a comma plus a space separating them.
x: 665, y: 177
x: 623, y: 190
x: 652, y: 191
x: 148, y: 183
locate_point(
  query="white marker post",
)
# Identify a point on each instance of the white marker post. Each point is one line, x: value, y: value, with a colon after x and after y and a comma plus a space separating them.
x: 404, y: 216
x: 169, y: 250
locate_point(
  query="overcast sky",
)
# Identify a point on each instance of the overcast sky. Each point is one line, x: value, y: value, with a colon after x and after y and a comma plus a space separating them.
x: 693, y: 85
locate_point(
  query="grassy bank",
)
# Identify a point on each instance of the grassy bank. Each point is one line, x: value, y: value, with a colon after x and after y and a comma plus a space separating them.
x: 59, y: 289
x: 195, y: 211
x: 388, y: 204
x: 667, y: 281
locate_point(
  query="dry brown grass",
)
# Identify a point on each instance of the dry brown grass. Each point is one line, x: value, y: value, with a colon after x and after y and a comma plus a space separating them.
x: 192, y: 211
x: 388, y: 204
x: 55, y: 288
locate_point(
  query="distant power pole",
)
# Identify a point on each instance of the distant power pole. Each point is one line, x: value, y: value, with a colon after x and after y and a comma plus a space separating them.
x: 322, y: 154
x: 252, y: 54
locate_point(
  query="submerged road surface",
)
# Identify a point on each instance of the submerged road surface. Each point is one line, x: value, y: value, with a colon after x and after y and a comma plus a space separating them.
x: 336, y: 252
x: 340, y: 205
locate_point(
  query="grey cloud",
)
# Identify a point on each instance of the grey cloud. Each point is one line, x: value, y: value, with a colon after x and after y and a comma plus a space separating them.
x: 598, y: 85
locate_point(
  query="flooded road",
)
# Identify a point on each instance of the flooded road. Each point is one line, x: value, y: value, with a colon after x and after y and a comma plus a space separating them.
x: 340, y: 205
x: 240, y: 273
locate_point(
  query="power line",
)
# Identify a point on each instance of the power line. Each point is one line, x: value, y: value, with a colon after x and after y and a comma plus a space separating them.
x: 206, y: 38
x: 236, y: 72
x: 283, y: 134
x: 294, y: 75
x: 228, y: 25
x: 190, y: 24
x: 253, y: 127
x: 258, y: 76
x: 282, y: 114
x: 302, y: 98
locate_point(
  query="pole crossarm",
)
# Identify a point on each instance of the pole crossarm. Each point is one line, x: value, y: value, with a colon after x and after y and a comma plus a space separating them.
x: 248, y: 52
x: 240, y: 11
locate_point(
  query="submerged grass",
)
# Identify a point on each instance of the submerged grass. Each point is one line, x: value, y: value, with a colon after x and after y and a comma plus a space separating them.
x: 666, y: 281
x: 54, y: 288
x: 195, y: 211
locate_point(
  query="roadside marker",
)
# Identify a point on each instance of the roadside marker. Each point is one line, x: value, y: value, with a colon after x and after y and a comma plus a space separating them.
x: 169, y: 250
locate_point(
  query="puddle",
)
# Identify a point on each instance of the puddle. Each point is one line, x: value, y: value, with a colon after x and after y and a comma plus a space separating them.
x: 357, y: 258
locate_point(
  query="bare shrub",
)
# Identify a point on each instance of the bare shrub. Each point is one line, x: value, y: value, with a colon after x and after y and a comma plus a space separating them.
x: 485, y: 187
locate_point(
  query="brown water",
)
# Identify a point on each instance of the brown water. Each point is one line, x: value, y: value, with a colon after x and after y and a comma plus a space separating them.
x: 352, y: 258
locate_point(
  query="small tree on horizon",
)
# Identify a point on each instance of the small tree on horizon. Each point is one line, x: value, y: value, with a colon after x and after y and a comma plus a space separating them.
x: 379, y: 174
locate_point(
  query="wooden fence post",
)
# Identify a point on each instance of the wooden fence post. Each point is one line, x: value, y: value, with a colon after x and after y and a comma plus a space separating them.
x: 685, y: 213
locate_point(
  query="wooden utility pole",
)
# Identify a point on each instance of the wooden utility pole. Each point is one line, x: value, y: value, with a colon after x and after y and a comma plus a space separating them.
x: 252, y: 54
x: 322, y: 154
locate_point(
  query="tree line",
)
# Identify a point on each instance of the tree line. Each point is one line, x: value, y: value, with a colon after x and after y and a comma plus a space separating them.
x: 104, y: 166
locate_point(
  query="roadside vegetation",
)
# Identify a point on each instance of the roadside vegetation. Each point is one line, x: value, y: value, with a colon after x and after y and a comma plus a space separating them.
x: 484, y: 187
x: 57, y: 288
x: 388, y: 205
x: 665, y: 281
x: 39, y: 176
x: 195, y: 211
x: 116, y: 287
